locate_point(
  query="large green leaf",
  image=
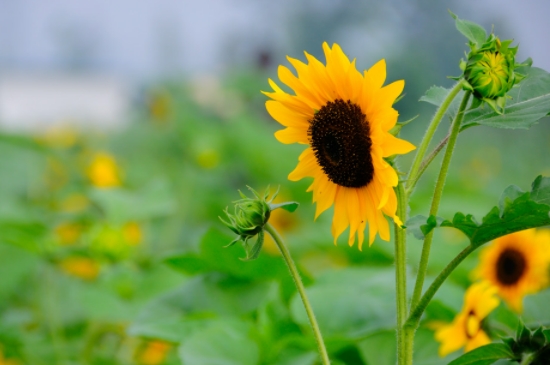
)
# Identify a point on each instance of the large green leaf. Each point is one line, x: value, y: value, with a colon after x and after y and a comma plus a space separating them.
x: 350, y: 303
x: 517, y: 211
x: 214, y: 257
x: 485, y: 355
x: 529, y: 102
x: 223, y: 342
x: 178, y: 313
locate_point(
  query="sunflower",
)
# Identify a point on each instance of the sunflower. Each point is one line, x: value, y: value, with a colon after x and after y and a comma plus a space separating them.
x: 517, y: 264
x: 345, y: 118
x: 466, y: 329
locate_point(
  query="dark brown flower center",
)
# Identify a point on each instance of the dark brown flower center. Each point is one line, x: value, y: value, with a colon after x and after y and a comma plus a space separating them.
x: 511, y: 266
x: 472, y: 325
x: 340, y: 138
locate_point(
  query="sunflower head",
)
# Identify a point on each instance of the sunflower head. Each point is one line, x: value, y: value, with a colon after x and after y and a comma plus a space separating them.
x: 466, y: 330
x: 346, y: 118
x: 516, y: 264
x: 489, y: 71
x: 250, y: 217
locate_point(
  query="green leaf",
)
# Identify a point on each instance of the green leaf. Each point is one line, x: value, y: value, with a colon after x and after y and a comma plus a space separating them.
x: 420, y: 225
x: 474, y: 32
x: 288, y: 206
x: 435, y: 95
x: 517, y: 211
x: 350, y: 303
x: 485, y: 355
x: 530, y: 101
x: 213, y: 257
x: 226, y: 342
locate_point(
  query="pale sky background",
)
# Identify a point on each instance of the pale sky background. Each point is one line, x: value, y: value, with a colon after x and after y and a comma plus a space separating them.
x: 141, y: 40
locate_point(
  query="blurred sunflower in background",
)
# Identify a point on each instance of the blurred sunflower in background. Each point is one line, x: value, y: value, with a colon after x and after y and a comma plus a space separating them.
x: 103, y: 171
x: 466, y: 330
x: 517, y: 264
x: 345, y: 118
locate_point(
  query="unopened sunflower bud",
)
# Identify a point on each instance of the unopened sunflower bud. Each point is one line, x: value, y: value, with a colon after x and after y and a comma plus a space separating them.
x: 250, y: 217
x: 489, y: 71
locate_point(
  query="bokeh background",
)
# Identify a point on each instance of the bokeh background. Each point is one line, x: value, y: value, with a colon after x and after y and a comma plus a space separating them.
x: 127, y: 127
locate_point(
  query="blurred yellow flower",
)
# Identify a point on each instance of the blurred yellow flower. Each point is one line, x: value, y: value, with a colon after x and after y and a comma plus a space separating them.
x: 68, y: 233
x: 132, y: 233
x: 517, y: 264
x: 74, y: 203
x: 160, y: 105
x: 208, y: 158
x: 154, y: 352
x: 62, y: 136
x: 104, y: 172
x: 345, y: 117
x: 465, y: 330
x: 82, y: 267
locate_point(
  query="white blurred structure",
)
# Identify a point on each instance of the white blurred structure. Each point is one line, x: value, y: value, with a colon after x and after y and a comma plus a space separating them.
x: 31, y: 102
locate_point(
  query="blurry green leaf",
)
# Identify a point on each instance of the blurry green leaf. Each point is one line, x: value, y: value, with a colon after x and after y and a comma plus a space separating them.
x: 154, y: 200
x: 517, y: 211
x: 223, y: 342
x: 212, y: 257
x: 435, y: 95
x: 485, y: 355
x: 22, y: 234
x: 530, y: 101
x: 351, y: 302
x: 474, y: 32
x: 16, y: 264
x: 174, y: 315
x: 288, y: 206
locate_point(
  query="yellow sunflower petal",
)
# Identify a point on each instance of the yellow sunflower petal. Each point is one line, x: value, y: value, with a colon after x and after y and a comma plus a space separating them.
x: 325, y: 195
x: 480, y: 339
x: 288, y: 78
x: 307, y: 166
x: 396, y: 146
x: 451, y: 337
x: 292, y: 135
x: 285, y: 116
x: 340, y: 220
x: 387, y: 95
x: 377, y: 74
x: 354, y: 213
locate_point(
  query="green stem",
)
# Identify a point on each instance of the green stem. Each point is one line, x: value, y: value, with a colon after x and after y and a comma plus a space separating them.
x: 416, y: 311
x: 401, y: 273
x: 428, y: 160
x: 455, y: 129
x: 300, y: 287
x: 414, y: 172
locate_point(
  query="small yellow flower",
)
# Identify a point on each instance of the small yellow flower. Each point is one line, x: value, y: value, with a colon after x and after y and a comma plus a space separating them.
x: 516, y: 264
x: 68, y: 233
x: 465, y: 330
x: 154, y: 352
x: 103, y: 172
x: 132, y: 233
x: 82, y: 267
x: 345, y: 118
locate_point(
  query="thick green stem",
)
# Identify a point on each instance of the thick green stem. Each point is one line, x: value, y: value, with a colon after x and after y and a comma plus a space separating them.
x: 401, y: 273
x: 416, y: 311
x: 415, y: 172
x: 301, y: 290
x: 455, y: 129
